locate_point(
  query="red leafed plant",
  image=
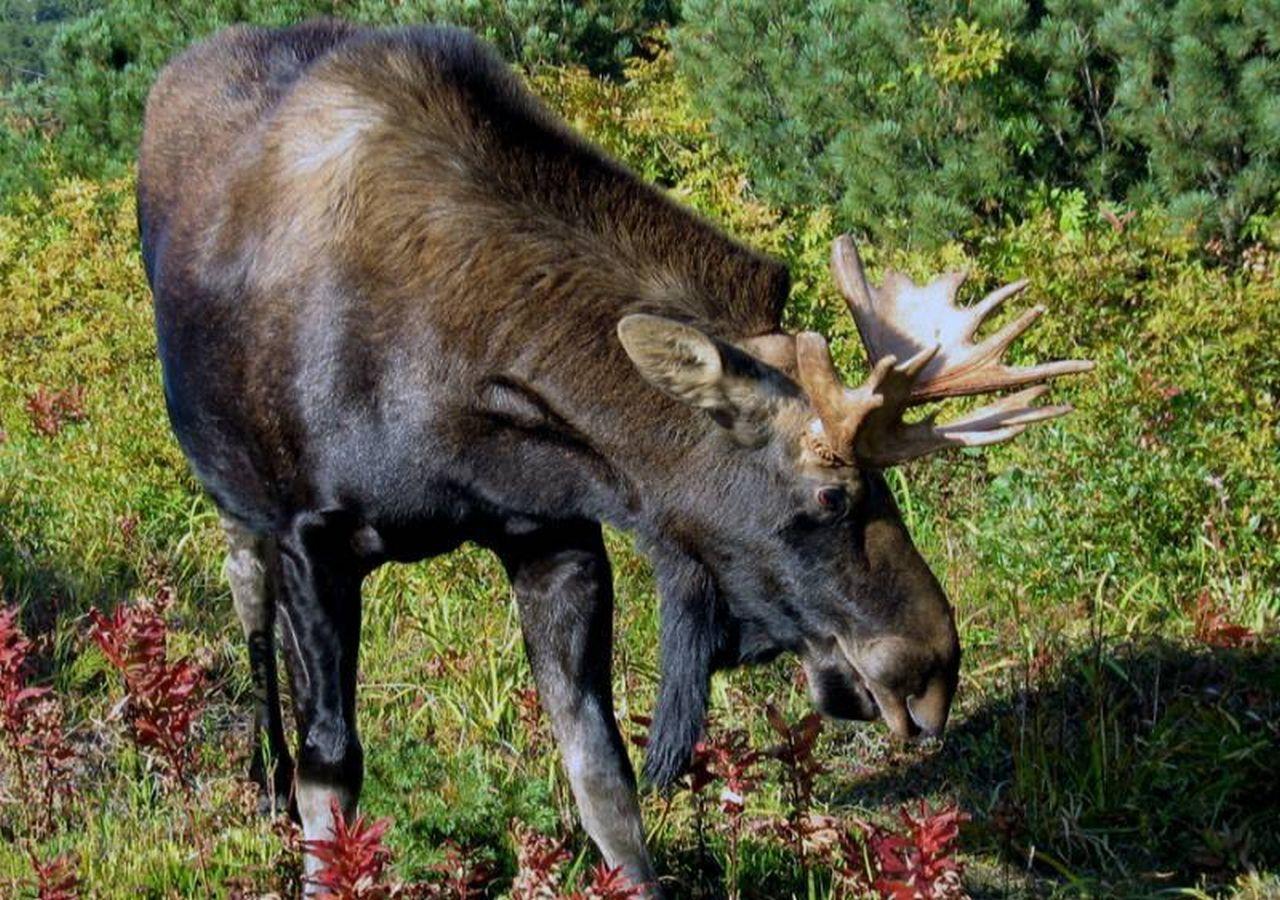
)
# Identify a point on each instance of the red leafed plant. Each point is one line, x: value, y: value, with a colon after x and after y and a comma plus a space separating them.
x: 16, y: 697
x: 55, y: 761
x: 608, y: 884
x: 539, y: 864
x: 1212, y: 626
x: 50, y: 410
x: 917, y: 863
x: 532, y: 722
x: 463, y: 876
x: 540, y: 871
x: 795, y: 753
x: 55, y: 879
x: 353, y: 861
x: 353, y: 866
x: 163, y: 698
x: 731, y: 760
x: 728, y: 756
x: 32, y: 722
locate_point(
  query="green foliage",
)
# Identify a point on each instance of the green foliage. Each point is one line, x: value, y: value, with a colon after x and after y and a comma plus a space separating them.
x: 26, y: 28
x: 912, y: 118
x: 98, y: 67
x: 1198, y: 86
x: 854, y: 106
x: 599, y: 34
x: 1096, y: 742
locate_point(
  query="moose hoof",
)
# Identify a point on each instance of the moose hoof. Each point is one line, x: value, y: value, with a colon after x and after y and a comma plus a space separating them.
x: 275, y: 794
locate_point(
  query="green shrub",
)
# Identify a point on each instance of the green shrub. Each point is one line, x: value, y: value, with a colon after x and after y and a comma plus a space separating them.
x: 99, y: 67
x: 838, y: 104
x: 1198, y: 87
x: 912, y: 118
x: 26, y: 28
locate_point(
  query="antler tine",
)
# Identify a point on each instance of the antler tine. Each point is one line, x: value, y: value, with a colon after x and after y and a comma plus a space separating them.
x: 897, y: 442
x: 850, y: 276
x: 1007, y: 377
x: 860, y: 297
x: 983, y: 309
x: 925, y: 326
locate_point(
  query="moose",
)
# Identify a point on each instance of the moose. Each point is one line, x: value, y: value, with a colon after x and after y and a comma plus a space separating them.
x: 401, y: 306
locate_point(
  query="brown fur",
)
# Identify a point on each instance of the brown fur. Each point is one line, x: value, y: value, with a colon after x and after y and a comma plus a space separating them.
x: 414, y: 167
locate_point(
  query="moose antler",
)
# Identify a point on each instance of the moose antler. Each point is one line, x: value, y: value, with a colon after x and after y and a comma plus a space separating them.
x: 921, y: 348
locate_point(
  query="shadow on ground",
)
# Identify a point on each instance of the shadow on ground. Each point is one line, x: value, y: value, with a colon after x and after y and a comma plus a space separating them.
x: 1122, y: 770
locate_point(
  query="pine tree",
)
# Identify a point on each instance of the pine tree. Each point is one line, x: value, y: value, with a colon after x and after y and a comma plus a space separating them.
x: 913, y: 117
x: 873, y: 107
x: 1199, y: 89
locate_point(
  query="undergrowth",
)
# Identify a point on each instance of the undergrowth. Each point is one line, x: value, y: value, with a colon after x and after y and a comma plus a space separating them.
x: 1116, y: 575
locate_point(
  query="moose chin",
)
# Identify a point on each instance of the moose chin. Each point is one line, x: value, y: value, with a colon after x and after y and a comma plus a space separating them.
x: 401, y: 306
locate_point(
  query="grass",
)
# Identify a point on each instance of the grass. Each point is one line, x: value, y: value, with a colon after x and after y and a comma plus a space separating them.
x: 1101, y: 745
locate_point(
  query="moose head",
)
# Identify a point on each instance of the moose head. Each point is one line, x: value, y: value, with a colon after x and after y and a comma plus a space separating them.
x: 810, y: 553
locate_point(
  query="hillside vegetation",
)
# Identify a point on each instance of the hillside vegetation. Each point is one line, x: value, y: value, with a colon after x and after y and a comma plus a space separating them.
x: 1116, y: 572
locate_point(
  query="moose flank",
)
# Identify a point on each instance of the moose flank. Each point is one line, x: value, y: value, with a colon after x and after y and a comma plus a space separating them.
x: 400, y: 306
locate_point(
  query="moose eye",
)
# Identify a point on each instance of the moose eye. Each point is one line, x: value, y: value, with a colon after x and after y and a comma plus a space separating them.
x: 833, y: 501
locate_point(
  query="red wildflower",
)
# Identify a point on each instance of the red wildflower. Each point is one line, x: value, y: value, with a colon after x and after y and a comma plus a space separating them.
x: 352, y: 862
x: 464, y: 877
x: 32, y: 723
x: 128, y: 525
x: 919, y: 863
x: 532, y: 721
x: 608, y: 884
x: 731, y: 759
x: 539, y: 864
x: 16, y: 698
x: 50, y: 410
x: 795, y: 752
x: 699, y: 773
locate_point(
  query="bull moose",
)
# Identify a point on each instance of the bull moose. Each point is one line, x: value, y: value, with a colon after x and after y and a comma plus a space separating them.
x: 401, y: 306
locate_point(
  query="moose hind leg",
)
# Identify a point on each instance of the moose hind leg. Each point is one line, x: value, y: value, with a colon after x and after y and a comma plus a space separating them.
x: 247, y: 565
x: 564, y: 589
x: 320, y: 624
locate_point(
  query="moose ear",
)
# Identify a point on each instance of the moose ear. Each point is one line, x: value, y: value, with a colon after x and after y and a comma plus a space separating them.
x: 736, y: 390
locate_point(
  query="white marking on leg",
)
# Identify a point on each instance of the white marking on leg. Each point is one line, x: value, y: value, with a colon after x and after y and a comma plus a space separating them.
x: 608, y: 806
x: 247, y: 576
x: 315, y: 807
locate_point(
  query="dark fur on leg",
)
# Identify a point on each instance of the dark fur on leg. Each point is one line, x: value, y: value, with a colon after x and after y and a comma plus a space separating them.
x: 691, y: 641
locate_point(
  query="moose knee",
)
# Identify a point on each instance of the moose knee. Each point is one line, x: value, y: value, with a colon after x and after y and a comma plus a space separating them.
x: 330, y: 752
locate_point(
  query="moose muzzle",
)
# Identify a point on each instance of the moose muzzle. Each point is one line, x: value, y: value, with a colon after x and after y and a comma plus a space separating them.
x: 908, y: 685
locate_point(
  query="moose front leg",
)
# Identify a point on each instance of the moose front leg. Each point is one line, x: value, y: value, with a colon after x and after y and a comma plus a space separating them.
x: 320, y: 619
x: 564, y: 588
